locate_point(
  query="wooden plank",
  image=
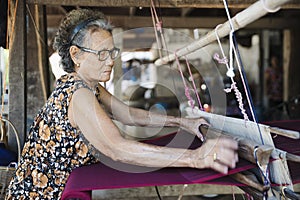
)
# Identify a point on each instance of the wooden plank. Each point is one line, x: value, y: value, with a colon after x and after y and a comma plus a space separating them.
x: 184, y: 22
x: 295, y: 4
x: 165, y: 191
x: 17, y: 72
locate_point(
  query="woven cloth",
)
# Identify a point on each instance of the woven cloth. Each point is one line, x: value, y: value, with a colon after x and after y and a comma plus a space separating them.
x: 100, y: 176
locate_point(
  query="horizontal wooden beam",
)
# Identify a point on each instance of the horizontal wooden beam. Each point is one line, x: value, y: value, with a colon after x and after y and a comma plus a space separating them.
x: 294, y: 4
x: 186, y: 22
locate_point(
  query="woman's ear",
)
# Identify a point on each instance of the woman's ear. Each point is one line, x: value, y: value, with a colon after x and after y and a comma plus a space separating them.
x: 74, y: 53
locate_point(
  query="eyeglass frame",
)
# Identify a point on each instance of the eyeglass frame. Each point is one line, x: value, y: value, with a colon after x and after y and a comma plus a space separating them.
x: 99, y: 52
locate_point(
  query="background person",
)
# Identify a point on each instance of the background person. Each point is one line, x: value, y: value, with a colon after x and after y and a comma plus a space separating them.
x: 274, y: 81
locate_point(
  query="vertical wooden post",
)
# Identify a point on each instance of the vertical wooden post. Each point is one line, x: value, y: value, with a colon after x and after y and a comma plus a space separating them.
x: 265, y: 63
x: 286, y: 63
x: 37, y: 65
x: 41, y: 41
x: 17, y: 71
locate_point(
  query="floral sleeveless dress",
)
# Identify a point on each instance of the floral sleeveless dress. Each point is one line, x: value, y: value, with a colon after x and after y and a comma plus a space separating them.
x: 53, y: 148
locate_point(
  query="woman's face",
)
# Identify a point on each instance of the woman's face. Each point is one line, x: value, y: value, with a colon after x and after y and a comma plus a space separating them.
x: 91, y: 68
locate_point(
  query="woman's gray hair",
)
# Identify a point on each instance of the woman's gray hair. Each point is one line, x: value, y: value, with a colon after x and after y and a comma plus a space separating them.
x: 73, y: 30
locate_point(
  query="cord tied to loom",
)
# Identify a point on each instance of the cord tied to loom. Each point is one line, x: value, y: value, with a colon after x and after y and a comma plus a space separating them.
x: 239, y: 98
x: 230, y: 74
x: 223, y: 60
x: 186, y: 88
x: 158, y: 26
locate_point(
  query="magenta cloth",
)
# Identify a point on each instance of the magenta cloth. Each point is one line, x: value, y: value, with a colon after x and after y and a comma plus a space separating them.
x: 289, y: 145
x: 78, y: 195
x: 99, y: 176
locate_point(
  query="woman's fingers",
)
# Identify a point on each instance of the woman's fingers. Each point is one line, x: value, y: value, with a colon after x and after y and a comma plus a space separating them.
x: 217, y: 166
x: 223, y: 154
x: 225, y: 157
x: 228, y: 143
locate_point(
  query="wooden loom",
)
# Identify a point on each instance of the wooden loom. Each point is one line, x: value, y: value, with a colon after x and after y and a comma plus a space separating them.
x: 255, y: 142
x: 252, y: 149
x: 245, y: 132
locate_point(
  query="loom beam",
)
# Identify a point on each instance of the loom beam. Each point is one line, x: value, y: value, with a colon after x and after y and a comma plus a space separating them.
x: 240, y: 20
x: 246, y: 147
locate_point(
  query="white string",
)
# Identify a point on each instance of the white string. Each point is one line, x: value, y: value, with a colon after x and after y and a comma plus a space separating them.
x: 244, y: 85
x: 224, y: 59
x: 231, y: 45
x: 230, y: 74
x: 231, y: 51
x: 238, y: 96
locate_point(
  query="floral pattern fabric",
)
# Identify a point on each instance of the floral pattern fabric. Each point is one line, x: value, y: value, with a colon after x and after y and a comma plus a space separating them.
x: 53, y: 148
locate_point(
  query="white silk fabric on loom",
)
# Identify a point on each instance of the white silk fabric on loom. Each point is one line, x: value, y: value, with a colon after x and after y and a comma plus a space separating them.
x: 279, y: 172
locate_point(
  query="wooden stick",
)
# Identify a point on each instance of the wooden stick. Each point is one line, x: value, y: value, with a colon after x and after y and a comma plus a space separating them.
x: 292, y: 157
x: 240, y: 20
x: 284, y: 132
x: 250, y: 180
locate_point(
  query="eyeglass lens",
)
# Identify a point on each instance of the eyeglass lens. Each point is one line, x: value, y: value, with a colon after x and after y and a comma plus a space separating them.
x: 105, y: 53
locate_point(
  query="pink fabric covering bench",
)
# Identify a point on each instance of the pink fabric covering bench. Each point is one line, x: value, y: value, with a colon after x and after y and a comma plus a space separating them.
x: 99, y: 176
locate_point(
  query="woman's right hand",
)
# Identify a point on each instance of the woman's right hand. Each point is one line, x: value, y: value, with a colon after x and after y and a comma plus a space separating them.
x: 219, y: 154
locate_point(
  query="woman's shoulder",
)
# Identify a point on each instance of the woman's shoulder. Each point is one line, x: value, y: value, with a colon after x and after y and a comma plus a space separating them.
x: 70, y: 81
x: 66, y: 78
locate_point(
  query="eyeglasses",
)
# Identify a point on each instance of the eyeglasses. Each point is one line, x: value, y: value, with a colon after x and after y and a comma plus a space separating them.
x: 102, y: 54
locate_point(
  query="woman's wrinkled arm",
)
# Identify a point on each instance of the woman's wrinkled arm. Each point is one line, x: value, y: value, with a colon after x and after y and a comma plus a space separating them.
x: 101, y: 132
x: 139, y: 117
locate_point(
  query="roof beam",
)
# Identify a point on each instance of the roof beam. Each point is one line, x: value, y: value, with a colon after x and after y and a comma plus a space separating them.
x: 186, y: 22
x: 186, y: 11
x: 293, y: 4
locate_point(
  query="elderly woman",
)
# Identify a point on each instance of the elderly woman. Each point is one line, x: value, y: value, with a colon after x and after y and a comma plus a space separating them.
x: 74, y: 128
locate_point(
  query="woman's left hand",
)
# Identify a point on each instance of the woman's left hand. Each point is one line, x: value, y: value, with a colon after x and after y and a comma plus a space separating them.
x: 193, y: 126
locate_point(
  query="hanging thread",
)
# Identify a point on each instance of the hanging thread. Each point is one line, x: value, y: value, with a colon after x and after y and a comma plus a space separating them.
x: 186, y: 88
x: 194, y: 85
x: 157, y: 25
x: 233, y: 87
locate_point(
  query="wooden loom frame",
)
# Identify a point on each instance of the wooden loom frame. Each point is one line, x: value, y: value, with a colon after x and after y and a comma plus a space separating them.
x: 179, y: 53
x: 242, y: 19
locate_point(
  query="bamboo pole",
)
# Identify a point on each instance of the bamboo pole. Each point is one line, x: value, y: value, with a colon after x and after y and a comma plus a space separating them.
x: 240, y: 20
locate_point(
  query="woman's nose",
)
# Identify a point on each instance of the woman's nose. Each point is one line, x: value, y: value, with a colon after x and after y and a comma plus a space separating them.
x: 109, y: 61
